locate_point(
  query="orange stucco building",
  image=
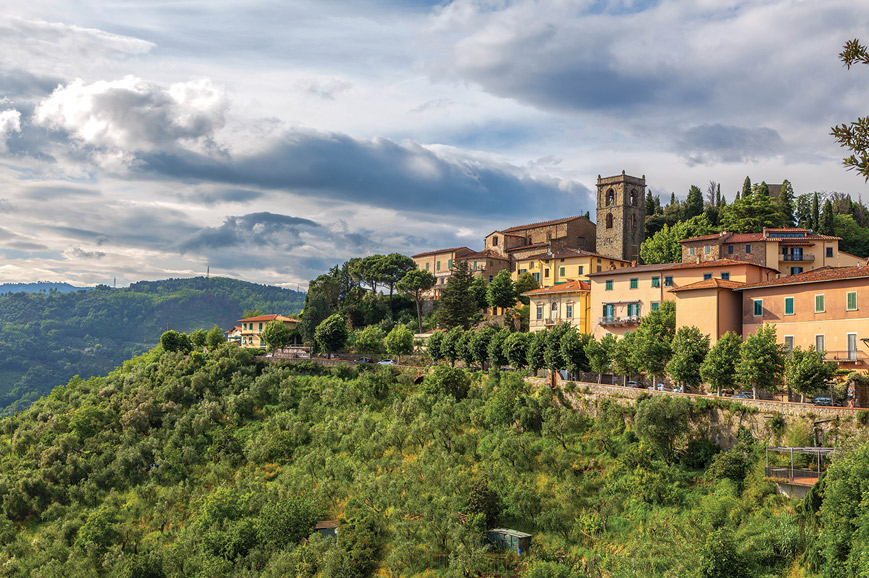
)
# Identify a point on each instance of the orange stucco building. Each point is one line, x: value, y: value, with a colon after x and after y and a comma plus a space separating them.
x: 827, y: 309
x: 621, y: 297
x: 563, y: 303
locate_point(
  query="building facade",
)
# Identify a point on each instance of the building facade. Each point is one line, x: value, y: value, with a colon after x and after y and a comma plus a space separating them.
x: 621, y: 297
x: 440, y: 264
x: 621, y: 216
x: 563, y: 303
x: 485, y: 264
x: 551, y: 268
x: 789, y: 250
x: 827, y: 309
x: 252, y: 328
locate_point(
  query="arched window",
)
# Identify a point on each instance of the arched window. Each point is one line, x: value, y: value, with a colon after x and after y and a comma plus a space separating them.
x: 610, y: 197
x: 609, y: 221
x: 634, y: 197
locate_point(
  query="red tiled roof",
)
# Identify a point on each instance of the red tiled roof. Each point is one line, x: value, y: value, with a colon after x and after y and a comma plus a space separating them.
x: 705, y: 237
x: 815, y: 276
x: 670, y: 266
x: 709, y: 284
x: 762, y: 237
x: 531, y: 246
x: 486, y: 254
x: 541, y: 224
x: 567, y: 252
x: 568, y: 287
x: 266, y: 318
x: 427, y: 253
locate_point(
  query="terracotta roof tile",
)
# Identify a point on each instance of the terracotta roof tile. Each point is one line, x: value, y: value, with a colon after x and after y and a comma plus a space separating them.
x: 540, y: 224
x: 671, y: 266
x: 271, y: 317
x: 815, y: 276
x: 427, y: 253
x: 567, y: 252
x: 486, y: 254
x: 709, y: 284
x: 705, y: 237
x: 568, y: 287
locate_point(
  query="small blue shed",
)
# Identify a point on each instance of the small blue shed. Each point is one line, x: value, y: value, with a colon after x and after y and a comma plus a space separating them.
x: 505, y: 539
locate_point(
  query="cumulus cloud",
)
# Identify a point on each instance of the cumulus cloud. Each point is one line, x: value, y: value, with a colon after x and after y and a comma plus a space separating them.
x: 10, y: 121
x: 79, y: 253
x: 716, y: 143
x: 132, y: 114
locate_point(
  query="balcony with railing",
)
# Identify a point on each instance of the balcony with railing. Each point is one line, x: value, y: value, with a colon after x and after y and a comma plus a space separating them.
x: 629, y: 320
x: 852, y: 356
x: 798, y: 258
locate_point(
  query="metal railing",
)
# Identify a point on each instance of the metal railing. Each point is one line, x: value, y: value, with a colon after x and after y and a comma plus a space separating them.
x: 844, y: 356
x: 799, y: 258
x: 629, y: 320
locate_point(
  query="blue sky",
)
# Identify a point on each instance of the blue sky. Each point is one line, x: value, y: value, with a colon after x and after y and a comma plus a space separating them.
x: 270, y: 140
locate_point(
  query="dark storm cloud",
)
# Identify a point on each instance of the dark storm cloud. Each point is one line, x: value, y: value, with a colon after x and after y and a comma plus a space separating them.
x: 253, y: 230
x: 716, y: 143
x: 378, y: 172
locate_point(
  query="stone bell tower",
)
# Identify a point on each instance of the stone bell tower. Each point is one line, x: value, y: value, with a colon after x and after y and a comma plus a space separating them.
x: 621, y: 216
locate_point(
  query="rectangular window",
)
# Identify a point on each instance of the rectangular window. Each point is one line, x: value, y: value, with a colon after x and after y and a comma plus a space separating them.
x: 260, y: 326
x: 789, y: 305
x: 691, y: 250
x: 707, y: 276
x: 748, y: 249
x: 656, y: 281
x: 546, y: 272
x: 655, y: 305
x: 570, y: 311
x: 830, y: 252
x: 789, y: 342
x: 852, y: 347
x: 668, y: 281
x: 598, y: 268
x: 580, y: 269
x: 758, y: 307
x: 561, y: 271
x: 730, y: 249
x: 796, y: 270
x: 633, y: 309
x: 852, y: 301
x: 634, y: 283
x: 819, y: 343
x: 706, y: 249
x: 450, y: 264
x: 609, y: 285
x: 537, y: 277
x: 562, y: 261
x: 540, y: 312
x: 438, y: 266
x: 819, y: 303
x: 725, y: 276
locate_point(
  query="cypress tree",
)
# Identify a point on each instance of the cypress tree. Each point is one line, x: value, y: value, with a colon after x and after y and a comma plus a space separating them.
x: 816, y: 212
x: 827, y: 224
x: 786, y: 202
x: 457, y: 302
x: 746, y: 187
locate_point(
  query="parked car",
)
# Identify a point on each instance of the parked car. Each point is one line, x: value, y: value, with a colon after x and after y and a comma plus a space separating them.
x: 364, y: 360
x: 825, y: 401
x: 633, y: 384
x: 386, y: 362
x: 743, y: 395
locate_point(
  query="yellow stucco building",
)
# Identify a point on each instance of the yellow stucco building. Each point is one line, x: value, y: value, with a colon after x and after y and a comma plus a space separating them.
x: 252, y: 327
x: 551, y: 268
x: 563, y: 303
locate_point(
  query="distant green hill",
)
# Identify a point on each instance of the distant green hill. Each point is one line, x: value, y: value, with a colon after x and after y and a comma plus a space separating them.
x: 45, y: 339
x: 38, y: 287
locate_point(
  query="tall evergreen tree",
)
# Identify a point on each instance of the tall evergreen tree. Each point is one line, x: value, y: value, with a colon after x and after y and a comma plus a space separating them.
x: 761, y: 189
x: 827, y: 224
x: 694, y: 203
x: 816, y: 212
x: 786, y: 203
x: 458, y: 303
x: 650, y: 203
x: 746, y: 187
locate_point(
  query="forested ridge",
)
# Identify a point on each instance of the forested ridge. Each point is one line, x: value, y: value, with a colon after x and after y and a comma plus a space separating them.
x: 47, y: 338
x: 218, y: 464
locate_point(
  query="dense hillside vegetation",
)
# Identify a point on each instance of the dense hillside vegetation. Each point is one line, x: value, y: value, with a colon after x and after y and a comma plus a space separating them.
x: 218, y: 465
x: 45, y: 339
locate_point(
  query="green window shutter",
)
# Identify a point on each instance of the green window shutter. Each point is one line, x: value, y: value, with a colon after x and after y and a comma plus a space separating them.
x: 656, y: 281
x: 852, y: 301
x: 561, y: 270
x: 634, y: 283
x: 655, y: 305
x: 609, y: 285
x: 789, y: 305
x: 450, y: 264
x: 758, y: 307
x: 819, y: 303
x: 438, y: 266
